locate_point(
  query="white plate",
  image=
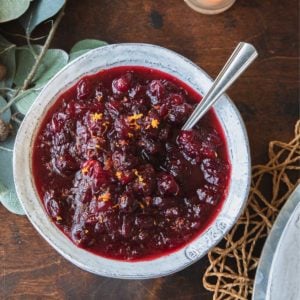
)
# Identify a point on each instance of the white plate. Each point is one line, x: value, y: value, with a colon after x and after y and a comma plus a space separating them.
x: 278, y: 272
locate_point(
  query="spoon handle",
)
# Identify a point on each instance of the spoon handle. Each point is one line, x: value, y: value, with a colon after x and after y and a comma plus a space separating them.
x: 243, y: 55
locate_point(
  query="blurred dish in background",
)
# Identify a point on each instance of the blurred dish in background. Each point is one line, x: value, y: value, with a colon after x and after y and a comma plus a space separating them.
x: 210, y: 7
x: 277, y: 275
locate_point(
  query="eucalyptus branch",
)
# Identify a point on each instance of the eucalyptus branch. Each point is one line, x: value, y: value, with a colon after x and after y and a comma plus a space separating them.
x: 28, y: 40
x: 41, y: 55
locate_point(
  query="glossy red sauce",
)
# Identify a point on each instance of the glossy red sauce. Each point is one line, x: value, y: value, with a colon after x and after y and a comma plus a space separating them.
x: 116, y: 174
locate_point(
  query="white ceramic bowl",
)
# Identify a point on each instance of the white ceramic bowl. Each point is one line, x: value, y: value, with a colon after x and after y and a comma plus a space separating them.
x: 180, y: 67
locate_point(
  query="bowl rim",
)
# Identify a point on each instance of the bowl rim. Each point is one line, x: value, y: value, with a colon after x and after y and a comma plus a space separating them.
x: 193, y: 251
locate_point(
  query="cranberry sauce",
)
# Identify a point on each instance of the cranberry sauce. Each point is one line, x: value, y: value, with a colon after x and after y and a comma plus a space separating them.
x: 118, y: 176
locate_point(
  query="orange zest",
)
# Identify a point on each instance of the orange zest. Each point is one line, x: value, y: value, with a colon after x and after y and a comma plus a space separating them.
x: 119, y: 174
x: 99, y: 97
x: 140, y: 178
x: 154, y: 123
x: 96, y: 117
x: 132, y: 120
x: 86, y: 167
x: 104, y: 197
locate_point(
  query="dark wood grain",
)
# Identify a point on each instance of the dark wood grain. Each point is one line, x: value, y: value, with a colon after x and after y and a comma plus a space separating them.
x: 267, y: 96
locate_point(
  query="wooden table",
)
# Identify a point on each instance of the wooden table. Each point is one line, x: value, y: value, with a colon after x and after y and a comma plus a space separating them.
x: 266, y: 96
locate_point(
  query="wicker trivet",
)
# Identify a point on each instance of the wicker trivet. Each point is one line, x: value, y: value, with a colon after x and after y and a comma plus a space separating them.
x: 234, y: 261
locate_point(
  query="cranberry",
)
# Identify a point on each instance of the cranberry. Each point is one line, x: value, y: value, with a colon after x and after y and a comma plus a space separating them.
x: 81, y: 235
x: 100, y: 92
x: 192, y: 147
x: 190, y: 201
x: 122, y: 84
x: 61, y: 138
x: 140, y: 105
x: 163, y: 110
x: 123, y: 160
x: 167, y: 185
x: 58, y: 121
x: 52, y: 204
x: 176, y: 164
x: 100, y: 228
x: 144, y: 221
x: 199, y: 211
x: 163, y: 202
x: 171, y: 212
x: 127, y: 202
x: 122, y: 128
x: 156, y: 91
x: 93, y: 170
x: 65, y: 164
x: 98, y: 206
x: 164, y: 133
x: 125, y: 176
x: 137, y: 91
x: 149, y: 145
x: 214, y: 171
x: 143, y: 235
x: 180, y: 113
x: 84, y: 89
x: 175, y: 99
x: 112, y: 221
x: 126, y: 226
x: 170, y: 86
x: 210, y: 137
x: 145, y: 180
x: 114, y: 108
x: 207, y: 194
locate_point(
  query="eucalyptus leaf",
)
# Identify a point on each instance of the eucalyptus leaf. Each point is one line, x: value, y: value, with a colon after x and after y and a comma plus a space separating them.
x: 76, y: 54
x: 12, y: 9
x: 7, y: 114
x: 84, y: 46
x: 53, y: 61
x: 25, y: 100
x: 39, y: 11
x: 8, y: 59
x: 10, y: 201
x: 8, y: 196
x: 87, y: 44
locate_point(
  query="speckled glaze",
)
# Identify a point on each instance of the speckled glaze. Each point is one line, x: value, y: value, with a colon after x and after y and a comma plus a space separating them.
x: 180, y: 67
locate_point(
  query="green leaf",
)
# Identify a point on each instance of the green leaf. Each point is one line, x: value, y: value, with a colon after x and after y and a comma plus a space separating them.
x: 10, y: 201
x: 8, y: 59
x: 25, y: 100
x: 84, y: 46
x: 8, y: 196
x: 53, y: 61
x: 39, y: 11
x: 87, y: 44
x: 7, y: 114
x: 12, y: 9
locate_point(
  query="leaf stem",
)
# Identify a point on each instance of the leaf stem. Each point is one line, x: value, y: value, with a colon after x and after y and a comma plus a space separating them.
x: 6, y: 149
x: 37, y: 63
x: 22, y: 36
x: 15, y: 118
x: 7, y: 89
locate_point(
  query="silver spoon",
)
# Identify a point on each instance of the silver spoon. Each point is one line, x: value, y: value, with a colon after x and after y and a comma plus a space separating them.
x: 243, y: 55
